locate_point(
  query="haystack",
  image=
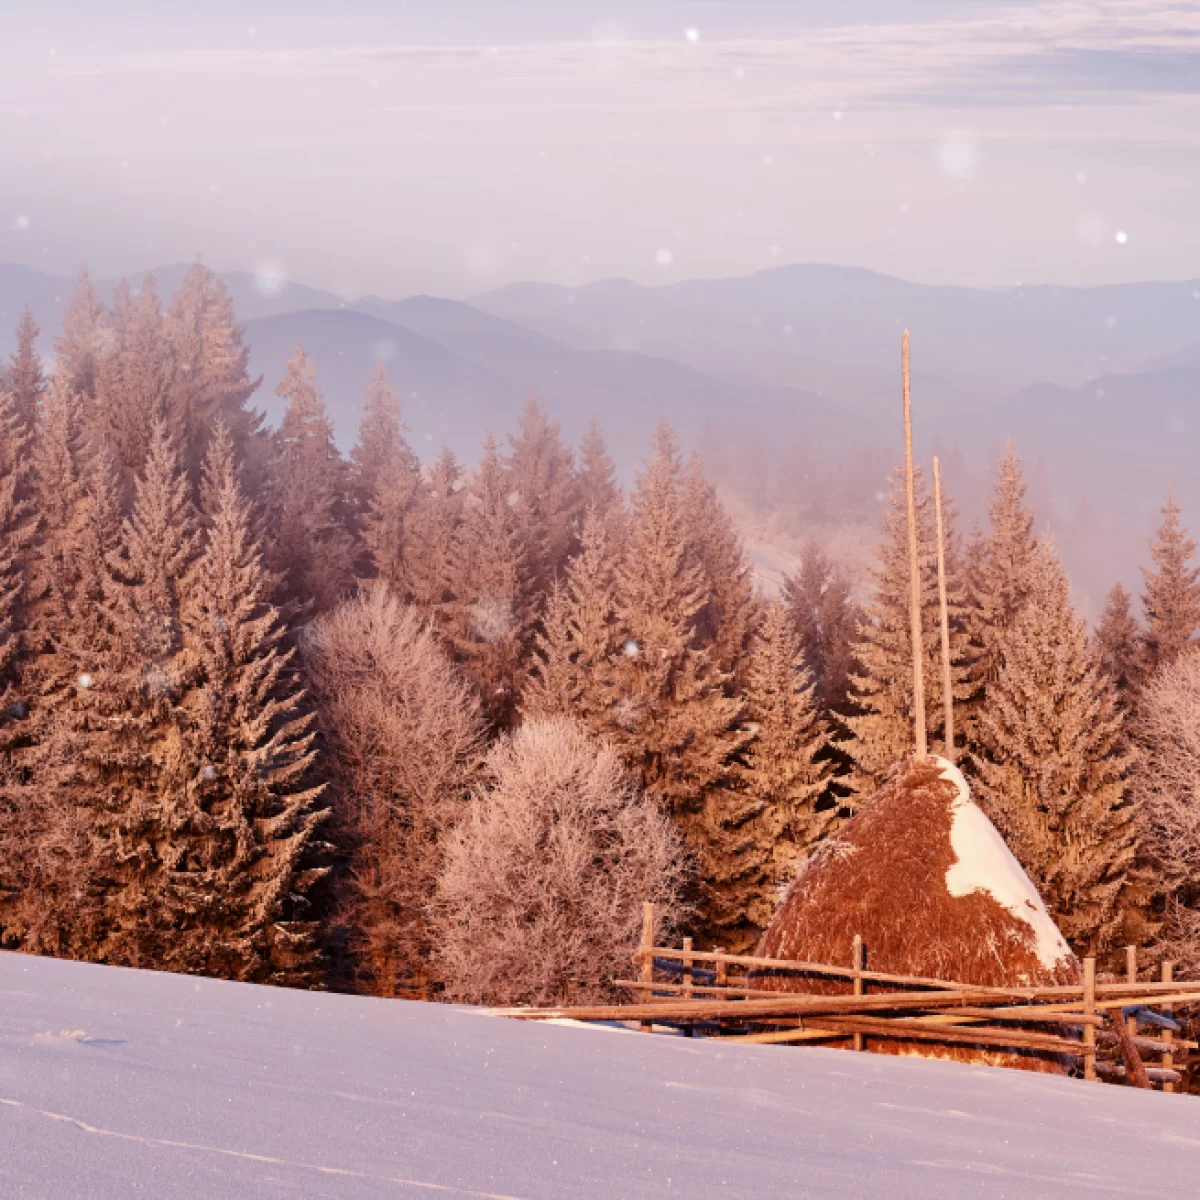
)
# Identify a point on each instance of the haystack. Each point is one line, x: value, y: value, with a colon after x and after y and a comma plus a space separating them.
x: 927, y: 881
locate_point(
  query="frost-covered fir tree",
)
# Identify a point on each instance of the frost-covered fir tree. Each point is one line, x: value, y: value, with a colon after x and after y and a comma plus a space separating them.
x: 571, y: 672
x: 670, y: 716
x: 26, y: 381
x: 311, y: 546
x: 54, y: 893
x: 135, y: 380
x: 1001, y: 566
x: 782, y: 779
x: 236, y: 781
x: 726, y: 622
x: 598, y: 490
x: 826, y: 619
x: 18, y: 521
x: 1117, y: 642
x: 882, y: 728
x: 120, y: 724
x: 386, y: 485
x: 432, y: 528
x: 212, y: 380
x: 1053, y: 768
x: 1171, y: 601
x: 552, y: 686
x: 545, y: 494
x: 84, y: 341
x: 488, y: 621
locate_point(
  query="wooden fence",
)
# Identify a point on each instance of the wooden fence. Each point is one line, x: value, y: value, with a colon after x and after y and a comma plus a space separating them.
x: 1105, y: 1028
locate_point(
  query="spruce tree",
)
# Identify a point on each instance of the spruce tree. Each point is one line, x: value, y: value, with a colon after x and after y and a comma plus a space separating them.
x: 17, y: 523
x: 882, y: 728
x: 1117, y: 642
x: 1053, y: 768
x: 552, y: 686
x: 381, y: 443
x: 112, y: 738
x: 597, y: 478
x: 54, y: 888
x: 489, y: 618
x: 727, y: 620
x: 135, y: 381
x: 826, y: 620
x: 1171, y: 601
x: 312, y: 546
x: 432, y: 529
x: 541, y: 477
x: 85, y: 339
x: 212, y: 379
x: 386, y: 480
x: 236, y: 785
x: 999, y: 582
x: 25, y: 378
x: 670, y: 716
x: 783, y: 775
x: 572, y: 669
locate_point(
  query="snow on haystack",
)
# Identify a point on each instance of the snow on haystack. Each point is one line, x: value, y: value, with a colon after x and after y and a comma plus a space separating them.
x: 921, y: 873
x: 986, y: 864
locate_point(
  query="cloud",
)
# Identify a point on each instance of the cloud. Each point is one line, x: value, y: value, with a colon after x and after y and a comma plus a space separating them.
x: 1070, y: 51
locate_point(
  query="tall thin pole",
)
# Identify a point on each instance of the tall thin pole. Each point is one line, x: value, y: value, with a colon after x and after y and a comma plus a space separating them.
x: 914, y: 565
x: 947, y: 681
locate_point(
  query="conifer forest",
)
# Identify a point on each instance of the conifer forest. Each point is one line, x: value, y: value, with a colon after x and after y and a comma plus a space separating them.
x: 436, y: 729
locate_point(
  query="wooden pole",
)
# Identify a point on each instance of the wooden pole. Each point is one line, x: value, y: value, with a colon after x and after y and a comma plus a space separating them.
x: 1135, y: 1070
x: 647, y: 953
x: 1131, y: 977
x: 1089, y: 1010
x: 947, y: 679
x: 687, y: 979
x: 914, y: 562
x: 858, y: 980
x: 1168, y: 1062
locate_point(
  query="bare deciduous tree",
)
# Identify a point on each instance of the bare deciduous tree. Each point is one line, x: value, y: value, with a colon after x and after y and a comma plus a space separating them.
x: 1167, y: 791
x: 540, y: 897
x: 406, y: 740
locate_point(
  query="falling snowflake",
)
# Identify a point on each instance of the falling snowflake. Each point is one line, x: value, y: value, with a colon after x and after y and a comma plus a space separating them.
x: 957, y: 157
x: 631, y: 649
x: 664, y: 257
x: 269, y: 279
x: 20, y: 223
x: 85, y: 681
x: 209, y: 773
x: 1122, y: 237
x: 692, y: 33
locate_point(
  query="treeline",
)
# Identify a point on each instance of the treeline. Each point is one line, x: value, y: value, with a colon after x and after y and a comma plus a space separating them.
x: 275, y: 714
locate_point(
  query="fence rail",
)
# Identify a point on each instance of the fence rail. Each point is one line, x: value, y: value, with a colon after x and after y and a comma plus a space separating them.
x: 1102, y: 1029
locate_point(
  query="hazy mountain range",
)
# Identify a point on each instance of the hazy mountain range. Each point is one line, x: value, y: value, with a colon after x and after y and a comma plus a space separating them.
x: 1098, y: 387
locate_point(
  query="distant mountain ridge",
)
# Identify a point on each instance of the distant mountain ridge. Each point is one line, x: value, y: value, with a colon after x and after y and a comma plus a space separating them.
x: 1098, y: 387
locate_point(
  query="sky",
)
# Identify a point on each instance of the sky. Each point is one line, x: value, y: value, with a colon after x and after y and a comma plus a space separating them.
x: 453, y: 146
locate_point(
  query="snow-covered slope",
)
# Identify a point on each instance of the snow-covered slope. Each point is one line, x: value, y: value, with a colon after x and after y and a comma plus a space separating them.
x: 121, y: 1083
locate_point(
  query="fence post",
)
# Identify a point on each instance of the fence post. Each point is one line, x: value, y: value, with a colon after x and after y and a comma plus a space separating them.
x: 646, y: 951
x: 1131, y: 977
x: 1168, y: 976
x: 687, y: 980
x: 858, y: 980
x: 1089, y: 1010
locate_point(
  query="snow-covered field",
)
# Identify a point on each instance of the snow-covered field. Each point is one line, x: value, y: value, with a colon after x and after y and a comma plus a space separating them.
x: 119, y: 1083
